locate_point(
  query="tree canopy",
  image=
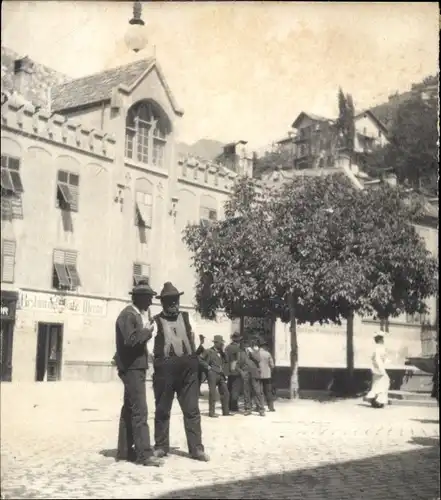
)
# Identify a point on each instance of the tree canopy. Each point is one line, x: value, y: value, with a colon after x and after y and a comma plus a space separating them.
x: 329, y: 246
x: 412, y: 152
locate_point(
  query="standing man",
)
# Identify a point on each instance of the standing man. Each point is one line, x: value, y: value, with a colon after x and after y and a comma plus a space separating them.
x: 176, y: 371
x: 133, y: 330
x: 266, y: 367
x: 248, y: 366
x: 202, y: 369
x: 378, y: 396
x: 234, y: 378
x: 217, y: 363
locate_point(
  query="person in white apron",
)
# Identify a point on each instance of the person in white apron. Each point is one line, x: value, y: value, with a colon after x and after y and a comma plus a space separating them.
x: 378, y: 396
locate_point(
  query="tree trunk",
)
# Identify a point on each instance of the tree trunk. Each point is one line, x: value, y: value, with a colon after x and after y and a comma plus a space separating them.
x: 350, y: 353
x: 294, y: 358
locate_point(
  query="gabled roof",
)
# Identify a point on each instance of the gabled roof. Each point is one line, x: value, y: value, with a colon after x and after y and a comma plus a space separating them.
x: 98, y: 87
x: 313, y: 117
x: 373, y: 117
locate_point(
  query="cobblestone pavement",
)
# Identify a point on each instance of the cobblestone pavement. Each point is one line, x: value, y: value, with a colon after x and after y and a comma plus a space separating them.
x: 58, y: 440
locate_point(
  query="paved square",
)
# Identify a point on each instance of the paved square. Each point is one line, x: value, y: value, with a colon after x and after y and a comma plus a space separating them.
x: 58, y: 441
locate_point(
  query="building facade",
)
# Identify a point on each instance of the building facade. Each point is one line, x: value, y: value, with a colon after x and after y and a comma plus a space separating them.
x: 93, y: 197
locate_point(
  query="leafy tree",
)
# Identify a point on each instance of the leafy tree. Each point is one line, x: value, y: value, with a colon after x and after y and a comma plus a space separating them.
x: 272, y: 160
x: 316, y: 250
x: 412, y: 152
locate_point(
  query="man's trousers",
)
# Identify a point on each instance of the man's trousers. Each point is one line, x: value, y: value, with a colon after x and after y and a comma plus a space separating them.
x: 180, y: 376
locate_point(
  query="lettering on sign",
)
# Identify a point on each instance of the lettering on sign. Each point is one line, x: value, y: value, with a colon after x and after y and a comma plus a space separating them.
x: 51, y: 303
x: 5, y: 310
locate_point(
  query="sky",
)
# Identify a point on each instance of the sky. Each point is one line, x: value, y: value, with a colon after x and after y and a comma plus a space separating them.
x: 241, y: 70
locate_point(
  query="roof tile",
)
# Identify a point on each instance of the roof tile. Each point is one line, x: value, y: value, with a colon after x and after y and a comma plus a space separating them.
x: 97, y: 87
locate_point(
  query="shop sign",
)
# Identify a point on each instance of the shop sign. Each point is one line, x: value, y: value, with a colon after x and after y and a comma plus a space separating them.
x: 62, y: 303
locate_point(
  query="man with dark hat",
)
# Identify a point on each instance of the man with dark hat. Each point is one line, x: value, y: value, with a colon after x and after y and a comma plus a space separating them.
x: 133, y: 330
x: 234, y: 378
x: 217, y: 362
x: 248, y: 366
x: 176, y: 371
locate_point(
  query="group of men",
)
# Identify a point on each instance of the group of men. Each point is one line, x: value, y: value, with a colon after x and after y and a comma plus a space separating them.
x: 177, y: 366
x: 240, y: 368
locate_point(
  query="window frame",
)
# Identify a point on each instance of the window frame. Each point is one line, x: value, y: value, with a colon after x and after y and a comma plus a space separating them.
x: 208, y: 219
x: 137, y: 276
x: 66, y: 271
x: 145, y: 134
x: 4, y: 254
x: 139, y: 220
x: 67, y: 189
x: 7, y: 173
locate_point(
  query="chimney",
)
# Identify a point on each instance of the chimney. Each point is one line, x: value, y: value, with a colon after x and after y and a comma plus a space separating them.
x: 23, y: 69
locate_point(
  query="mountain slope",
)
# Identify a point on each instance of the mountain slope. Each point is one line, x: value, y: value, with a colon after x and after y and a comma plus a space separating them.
x: 208, y: 149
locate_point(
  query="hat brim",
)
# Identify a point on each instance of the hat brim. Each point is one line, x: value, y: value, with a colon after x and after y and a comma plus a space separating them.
x: 143, y: 292
x: 165, y: 295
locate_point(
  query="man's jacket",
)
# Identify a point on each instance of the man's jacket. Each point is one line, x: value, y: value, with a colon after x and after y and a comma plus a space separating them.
x: 248, y: 364
x: 131, y: 338
x: 232, y: 351
x: 216, y: 360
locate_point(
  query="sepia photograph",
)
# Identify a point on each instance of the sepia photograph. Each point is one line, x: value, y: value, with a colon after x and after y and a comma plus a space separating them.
x: 219, y: 250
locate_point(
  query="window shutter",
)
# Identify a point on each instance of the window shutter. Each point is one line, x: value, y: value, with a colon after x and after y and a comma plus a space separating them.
x: 70, y: 258
x: 8, y: 261
x: 17, y: 207
x: 58, y: 257
x: 146, y: 270
x: 14, y: 163
x: 137, y: 273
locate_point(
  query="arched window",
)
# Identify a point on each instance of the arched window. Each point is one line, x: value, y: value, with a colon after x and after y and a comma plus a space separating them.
x: 146, y: 134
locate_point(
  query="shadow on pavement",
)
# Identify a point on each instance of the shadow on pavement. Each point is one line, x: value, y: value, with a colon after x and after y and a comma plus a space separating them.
x: 425, y: 421
x: 108, y: 453
x: 111, y: 453
x: 411, y: 474
x: 425, y: 441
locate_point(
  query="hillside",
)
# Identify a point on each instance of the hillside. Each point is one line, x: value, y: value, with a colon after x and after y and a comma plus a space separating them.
x: 208, y: 149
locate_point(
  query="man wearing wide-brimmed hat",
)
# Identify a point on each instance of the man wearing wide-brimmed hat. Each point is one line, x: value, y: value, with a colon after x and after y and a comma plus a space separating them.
x: 217, y: 362
x: 133, y: 330
x: 176, y: 371
x: 234, y: 377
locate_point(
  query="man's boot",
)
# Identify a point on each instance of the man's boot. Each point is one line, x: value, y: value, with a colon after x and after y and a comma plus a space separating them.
x: 151, y: 461
x: 200, y: 455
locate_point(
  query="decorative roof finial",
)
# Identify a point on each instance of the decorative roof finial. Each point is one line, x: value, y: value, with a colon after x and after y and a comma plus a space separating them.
x: 137, y: 11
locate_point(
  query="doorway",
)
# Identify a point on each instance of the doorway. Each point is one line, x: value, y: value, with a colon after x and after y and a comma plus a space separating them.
x: 49, y: 352
x: 6, y: 341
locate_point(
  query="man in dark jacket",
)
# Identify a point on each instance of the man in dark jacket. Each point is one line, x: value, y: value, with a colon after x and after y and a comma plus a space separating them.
x: 248, y: 366
x: 133, y: 330
x: 217, y: 363
x: 234, y: 378
x: 202, y: 369
x: 176, y: 371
